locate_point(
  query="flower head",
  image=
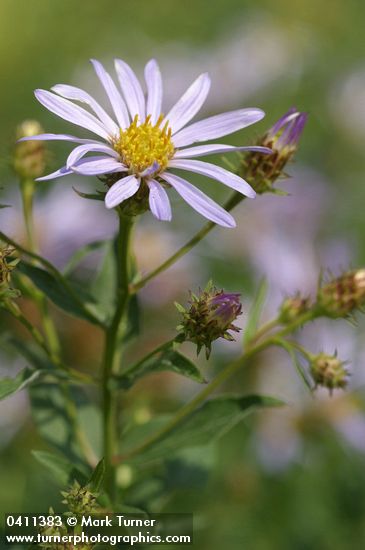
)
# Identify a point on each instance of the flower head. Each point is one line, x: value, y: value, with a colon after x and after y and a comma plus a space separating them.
x: 283, y: 139
x: 342, y: 295
x: 328, y: 371
x: 209, y: 317
x: 293, y: 307
x: 140, y: 146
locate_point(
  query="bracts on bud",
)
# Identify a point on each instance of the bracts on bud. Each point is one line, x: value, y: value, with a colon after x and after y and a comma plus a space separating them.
x: 7, y: 263
x: 209, y: 317
x: 328, y: 371
x: 29, y: 156
x: 262, y: 171
x: 343, y: 295
x: 293, y: 307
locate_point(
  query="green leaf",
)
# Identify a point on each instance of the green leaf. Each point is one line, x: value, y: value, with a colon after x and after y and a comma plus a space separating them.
x: 104, y: 286
x: 132, y: 328
x: 24, y: 378
x: 95, y: 482
x: 80, y: 254
x: 98, y: 196
x: 255, y: 312
x: 60, y: 292
x: 54, y: 420
x: 164, y: 360
x: 62, y: 470
x: 208, y: 423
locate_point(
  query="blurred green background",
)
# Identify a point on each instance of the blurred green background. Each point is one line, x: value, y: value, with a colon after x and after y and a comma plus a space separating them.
x: 284, y: 479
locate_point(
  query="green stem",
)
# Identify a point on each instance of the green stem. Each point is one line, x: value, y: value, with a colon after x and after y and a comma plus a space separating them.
x: 111, y: 349
x: 263, y: 330
x: 235, y: 199
x: 41, y: 342
x: 226, y: 373
x: 57, y: 275
x: 198, y: 400
x: 27, y: 192
x: 166, y: 345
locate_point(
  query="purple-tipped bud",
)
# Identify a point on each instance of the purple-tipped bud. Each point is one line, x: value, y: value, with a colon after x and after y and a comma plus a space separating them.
x: 209, y: 317
x: 283, y: 138
x: 328, y: 371
x: 286, y: 132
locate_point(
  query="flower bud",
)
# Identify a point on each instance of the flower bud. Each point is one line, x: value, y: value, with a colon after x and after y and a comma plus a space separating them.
x: 341, y: 296
x: 6, y: 267
x: 328, y: 371
x: 293, y: 307
x: 210, y: 316
x: 79, y: 500
x: 283, y: 138
x: 29, y: 156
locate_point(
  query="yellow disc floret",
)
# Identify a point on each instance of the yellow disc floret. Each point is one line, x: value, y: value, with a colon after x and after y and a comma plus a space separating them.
x: 143, y: 146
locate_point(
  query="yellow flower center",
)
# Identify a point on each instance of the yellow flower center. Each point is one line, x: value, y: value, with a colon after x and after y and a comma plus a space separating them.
x: 144, y: 146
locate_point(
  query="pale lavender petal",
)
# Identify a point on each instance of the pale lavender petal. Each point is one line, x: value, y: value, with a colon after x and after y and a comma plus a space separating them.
x: 121, y: 190
x: 200, y: 201
x: 217, y: 126
x: 71, y: 112
x: 71, y: 92
x: 131, y: 88
x: 58, y: 137
x: 189, y: 103
x: 64, y: 171
x: 215, y: 148
x: 215, y: 172
x: 153, y: 80
x: 82, y: 150
x: 94, y: 166
x: 116, y: 100
x: 159, y: 201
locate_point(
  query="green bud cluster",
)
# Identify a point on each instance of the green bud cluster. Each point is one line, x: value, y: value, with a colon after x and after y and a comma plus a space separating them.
x: 79, y: 500
x: 209, y: 317
x: 328, y: 371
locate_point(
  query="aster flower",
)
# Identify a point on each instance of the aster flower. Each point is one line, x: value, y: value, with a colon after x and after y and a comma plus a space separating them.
x: 140, y: 145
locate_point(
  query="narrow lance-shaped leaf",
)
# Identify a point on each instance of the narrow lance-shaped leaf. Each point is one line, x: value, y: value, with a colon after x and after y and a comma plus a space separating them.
x: 24, y: 378
x: 211, y: 421
x: 80, y: 254
x: 63, y: 471
x: 60, y: 292
x: 96, y: 480
x: 163, y: 360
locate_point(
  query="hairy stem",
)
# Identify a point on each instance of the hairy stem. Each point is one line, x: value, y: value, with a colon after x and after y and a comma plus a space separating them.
x: 111, y: 352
